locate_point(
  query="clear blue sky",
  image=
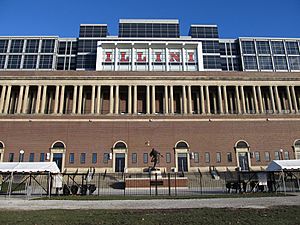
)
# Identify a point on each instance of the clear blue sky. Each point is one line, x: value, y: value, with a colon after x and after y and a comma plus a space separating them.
x: 235, y: 18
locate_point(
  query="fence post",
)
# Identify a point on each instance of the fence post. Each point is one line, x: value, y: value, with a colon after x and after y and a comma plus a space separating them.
x: 155, y: 183
x: 169, y: 184
x: 99, y: 183
x: 150, y: 184
x: 175, y: 184
x: 124, y: 180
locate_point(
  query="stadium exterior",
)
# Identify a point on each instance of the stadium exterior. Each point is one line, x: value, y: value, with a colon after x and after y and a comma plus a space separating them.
x: 105, y: 101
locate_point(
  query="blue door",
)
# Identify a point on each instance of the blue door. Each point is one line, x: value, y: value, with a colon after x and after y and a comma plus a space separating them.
x: 182, y: 162
x: 120, y: 162
x: 57, y: 158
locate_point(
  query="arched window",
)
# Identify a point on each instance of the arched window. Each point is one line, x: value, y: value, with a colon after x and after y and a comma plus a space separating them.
x: 242, y: 144
x: 182, y: 145
x: 58, y: 145
x: 1, y: 145
x: 297, y: 144
x: 120, y: 145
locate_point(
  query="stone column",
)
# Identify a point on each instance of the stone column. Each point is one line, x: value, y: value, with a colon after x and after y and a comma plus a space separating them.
x: 38, y: 99
x: 243, y: 99
x: 172, y: 99
x: 74, y: 100
x: 79, y: 108
x: 166, y: 100
x: 117, y: 100
x: 255, y: 99
x: 129, y: 99
x: 148, y: 99
x: 202, y: 100
x: 43, y: 106
x: 7, y: 99
x: 294, y: 99
x: 111, y: 100
x: 260, y: 100
x: 238, y: 102
x: 135, y: 111
x: 190, y: 106
x: 98, y: 108
x: 62, y: 100
x: 93, y: 99
x: 20, y: 99
x: 220, y: 99
x: 3, y: 92
x: 277, y: 99
x: 272, y: 99
x: 225, y: 99
x: 184, y: 100
x: 289, y: 98
x: 153, y: 100
x: 25, y: 102
x: 56, y: 99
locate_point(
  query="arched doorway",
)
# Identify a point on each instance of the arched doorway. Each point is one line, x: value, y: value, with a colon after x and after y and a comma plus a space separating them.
x: 1, y: 151
x: 242, y: 150
x: 120, y: 156
x: 57, y: 154
x: 297, y: 149
x: 182, y: 156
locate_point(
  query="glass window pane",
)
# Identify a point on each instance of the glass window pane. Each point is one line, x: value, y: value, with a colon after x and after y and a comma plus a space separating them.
x: 32, y: 46
x: 45, y: 62
x: 134, y: 158
x: 280, y: 63
x: 29, y: 62
x: 14, y: 62
x: 3, y: 46
x: 262, y: 47
x: 16, y: 46
x: 82, y: 158
x: 31, y: 157
x: 48, y: 46
x: 248, y: 47
x: 250, y: 63
x: 145, y: 158
x: 265, y: 62
x: 277, y: 47
x: 2, y: 61
x: 207, y: 157
x: 94, y: 158
x: 292, y: 48
x: 71, y: 158
x: 294, y: 62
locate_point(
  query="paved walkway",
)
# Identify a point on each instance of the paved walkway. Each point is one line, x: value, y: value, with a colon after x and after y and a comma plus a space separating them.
x: 265, y: 202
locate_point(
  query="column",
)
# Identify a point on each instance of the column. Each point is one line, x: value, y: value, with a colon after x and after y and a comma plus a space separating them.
x: 294, y: 99
x: 93, y: 99
x: 184, y: 100
x: 166, y: 100
x: 7, y: 99
x: 220, y: 99
x: 111, y: 100
x: 80, y: 99
x: 237, y: 96
x: 2, y: 98
x: 98, y: 108
x: 135, y: 99
x: 43, y: 106
x: 190, y: 107
x: 129, y: 100
x: 172, y: 99
x: 202, y: 100
x: 153, y: 100
x: 117, y: 100
x: 260, y: 100
x: 243, y: 99
x: 289, y: 98
x: 25, y: 102
x: 255, y: 99
x: 225, y: 99
x: 272, y: 99
x: 277, y: 99
x: 62, y: 99
x: 198, y: 102
x: 207, y: 99
x: 38, y: 99
x: 20, y: 99
x: 56, y: 99
x: 74, y: 100
x: 148, y: 99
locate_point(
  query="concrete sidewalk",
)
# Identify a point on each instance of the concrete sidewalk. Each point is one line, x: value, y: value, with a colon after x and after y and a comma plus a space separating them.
x: 263, y: 202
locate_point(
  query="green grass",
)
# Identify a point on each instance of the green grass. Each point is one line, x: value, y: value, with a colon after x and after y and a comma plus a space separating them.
x: 146, y: 197
x: 274, y: 216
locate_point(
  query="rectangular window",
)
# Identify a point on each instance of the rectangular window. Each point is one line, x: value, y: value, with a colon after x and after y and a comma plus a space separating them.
x: 294, y: 62
x: 207, y: 157
x: 257, y: 156
x: 134, y: 158
x: 46, y: 62
x: 2, y: 61
x: 263, y: 47
x: 32, y: 46
x: 248, y: 47
x: 196, y: 157
x: 94, y: 158
x: 265, y: 63
x: 14, y: 62
x: 16, y: 46
x: 229, y: 157
x: 71, y: 158
x: 250, y: 63
x: 11, y: 157
x: 292, y: 48
x: 3, y: 46
x: 29, y: 62
x: 286, y: 156
x: 105, y: 157
x: 277, y: 47
x: 82, y: 158
x: 42, y: 157
x: 267, y: 156
x: 145, y: 158
x: 168, y: 157
x: 211, y: 62
x: 31, y: 157
x: 280, y: 63
x: 48, y: 46
x: 218, y: 158
x: 21, y: 157
x: 277, y: 155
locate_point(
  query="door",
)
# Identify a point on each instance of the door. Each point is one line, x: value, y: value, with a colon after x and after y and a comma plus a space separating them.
x: 182, y: 162
x: 120, y: 162
x: 243, y: 161
x: 57, y: 158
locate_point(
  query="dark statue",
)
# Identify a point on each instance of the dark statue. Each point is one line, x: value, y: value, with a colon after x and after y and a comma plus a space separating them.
x: 155, y: 156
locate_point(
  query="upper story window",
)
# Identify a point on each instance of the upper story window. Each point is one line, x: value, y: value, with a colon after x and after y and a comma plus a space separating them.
x: 48, y: 46
x: 32, y: 46
x: 3, y: 46
x: 292, y: 48
x: 248, y: 47
x: 277, y: 47
x: 263, y: 47
x: 16, y: 46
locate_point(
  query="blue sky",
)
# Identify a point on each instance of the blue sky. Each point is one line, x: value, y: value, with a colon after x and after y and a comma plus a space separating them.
x: 235, y: 18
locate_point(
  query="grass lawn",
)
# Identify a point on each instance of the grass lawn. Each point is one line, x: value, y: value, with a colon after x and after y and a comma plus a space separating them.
x: 146, y: 197
x: 274, y: 216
